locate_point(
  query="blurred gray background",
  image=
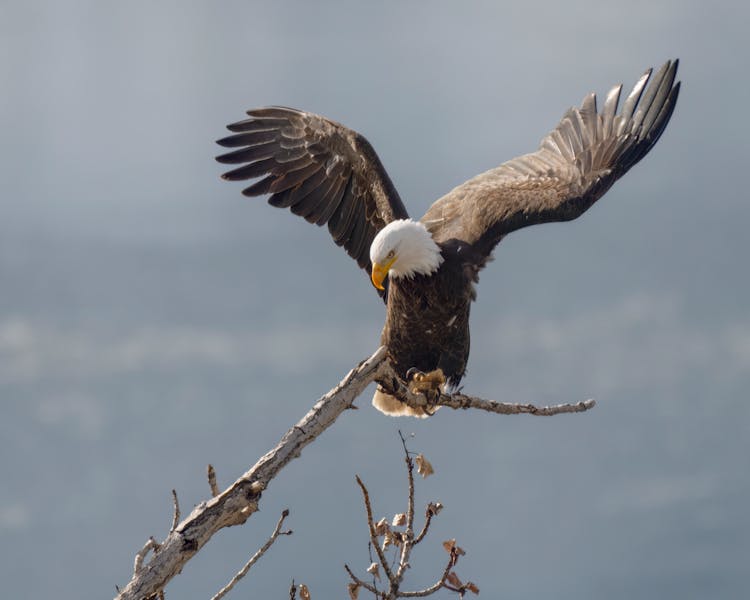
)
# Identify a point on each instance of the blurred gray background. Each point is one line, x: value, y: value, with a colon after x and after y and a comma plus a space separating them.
x: 153, y: 320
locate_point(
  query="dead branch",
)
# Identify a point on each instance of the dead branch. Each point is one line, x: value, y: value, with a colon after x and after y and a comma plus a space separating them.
x: 373, y: 534
x: 211, y: 472
x: 406, y: 541
x: 240, y: 500
x: 440, y: 583
x: 150, y: 545
x: 408, y: 534
x: 176, y: 515
x: 254, y: 558
x: 393, y: 385
x: 370, y: 588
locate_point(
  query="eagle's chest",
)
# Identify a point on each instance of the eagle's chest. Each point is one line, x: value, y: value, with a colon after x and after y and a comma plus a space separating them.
x: 425, y: 300
x: 427, y: 321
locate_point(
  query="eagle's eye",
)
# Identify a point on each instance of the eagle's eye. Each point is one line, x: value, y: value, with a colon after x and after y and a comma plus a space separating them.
x: 391, y: 254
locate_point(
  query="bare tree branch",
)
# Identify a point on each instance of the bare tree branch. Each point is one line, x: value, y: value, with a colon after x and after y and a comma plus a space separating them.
x: 370, y: 588
x: 211, y: 472
x: 405, y: 539
x: 373, y: 534
x: 151, y: 544
x: 440, y: 583
x: 432, y: 509
x: 408, y: 535
x: 240, y: 500
x: 248, y: 565
x: 393, y: 385
x: 176, y: 516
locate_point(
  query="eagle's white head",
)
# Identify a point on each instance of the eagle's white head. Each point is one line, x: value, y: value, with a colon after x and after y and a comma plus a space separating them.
x: 403, y: 248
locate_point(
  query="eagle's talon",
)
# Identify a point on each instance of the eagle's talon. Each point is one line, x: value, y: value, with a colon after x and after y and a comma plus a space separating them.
x: 428, y: 384
x: 414, y: 374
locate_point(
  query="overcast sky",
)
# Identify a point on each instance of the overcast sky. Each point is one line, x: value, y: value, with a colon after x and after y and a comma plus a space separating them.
x: 152, y: 319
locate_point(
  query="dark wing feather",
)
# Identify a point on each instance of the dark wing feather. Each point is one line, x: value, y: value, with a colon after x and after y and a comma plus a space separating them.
x: 574, y: 166
x: 317, y: 168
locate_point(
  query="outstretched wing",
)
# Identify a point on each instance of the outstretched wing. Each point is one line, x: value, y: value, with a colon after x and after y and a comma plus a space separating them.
x: 317, y: 168
x: 574, y: 166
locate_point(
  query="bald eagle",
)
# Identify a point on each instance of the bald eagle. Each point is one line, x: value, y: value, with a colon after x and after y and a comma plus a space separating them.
x: 425, y: 270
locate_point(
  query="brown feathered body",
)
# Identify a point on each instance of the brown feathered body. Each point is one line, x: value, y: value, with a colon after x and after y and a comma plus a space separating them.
x: 427, y: 316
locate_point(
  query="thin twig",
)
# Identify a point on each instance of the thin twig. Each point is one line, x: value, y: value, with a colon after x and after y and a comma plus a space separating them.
x: 373, y: 536
x: 176, y: 515
x: 438, y: 584
x: 410, y: 475
x: 212, y: 481
x: 407, y: 540
x: 428, y: 514
x: 248, y: 565
x: 370, y: 588
x: 372, y: 562
x: 462, y: 401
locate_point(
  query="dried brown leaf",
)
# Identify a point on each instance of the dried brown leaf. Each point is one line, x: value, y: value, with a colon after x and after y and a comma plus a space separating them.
x: 453, y: 579
x: 424, y: 467
x: 353, y: 590
x: 449, y: 545
x: 382, y: 527
x: 434, y: 508
x: 388, y: 539
x: 399, y: 519
x: 391, y: 539
x: 472, y: 587
x: 374, y: 570
x: 304, y: 593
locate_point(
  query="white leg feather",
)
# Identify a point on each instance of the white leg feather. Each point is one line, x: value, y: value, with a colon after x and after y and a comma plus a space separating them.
x: 393, y: 407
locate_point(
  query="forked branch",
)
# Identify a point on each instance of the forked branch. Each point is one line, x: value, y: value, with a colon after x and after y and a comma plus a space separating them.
x: 400, y: 534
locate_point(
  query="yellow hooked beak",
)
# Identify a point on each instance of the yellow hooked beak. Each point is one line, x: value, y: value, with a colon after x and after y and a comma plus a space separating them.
x: 379, y: 273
